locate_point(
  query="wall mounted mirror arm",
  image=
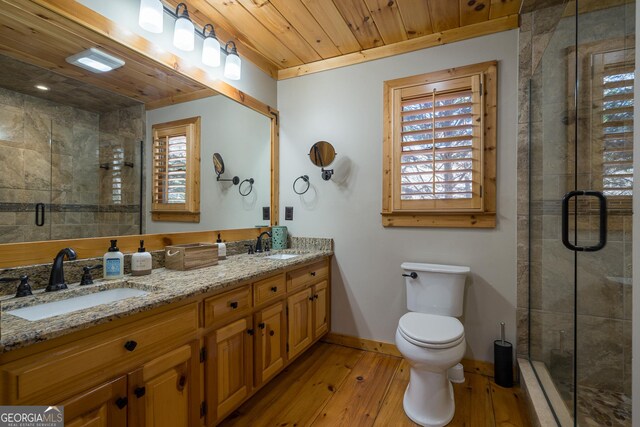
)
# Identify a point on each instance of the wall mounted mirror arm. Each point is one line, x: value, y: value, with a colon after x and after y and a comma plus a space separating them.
x: 323, y: 154
x: 218, y: 165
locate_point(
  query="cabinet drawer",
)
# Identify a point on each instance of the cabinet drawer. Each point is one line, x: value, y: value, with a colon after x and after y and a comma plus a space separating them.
x: 307, y: 275
x: 89, y: 360
x: 269, y: 289
x: 226, y: 305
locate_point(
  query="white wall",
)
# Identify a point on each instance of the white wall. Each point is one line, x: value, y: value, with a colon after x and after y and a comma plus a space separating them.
x: 344, y: 107
x: 243, y: 138
x: 254, y: 81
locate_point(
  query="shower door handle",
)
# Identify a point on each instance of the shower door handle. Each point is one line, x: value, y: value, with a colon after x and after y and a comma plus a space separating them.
x: 39, y: 214
x: 602, y: 202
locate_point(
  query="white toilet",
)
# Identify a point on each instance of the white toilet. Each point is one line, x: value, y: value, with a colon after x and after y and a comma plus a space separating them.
x: 431, y: 339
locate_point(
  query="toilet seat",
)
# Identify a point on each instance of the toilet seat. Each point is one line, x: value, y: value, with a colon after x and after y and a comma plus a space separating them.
x: 431, y: 330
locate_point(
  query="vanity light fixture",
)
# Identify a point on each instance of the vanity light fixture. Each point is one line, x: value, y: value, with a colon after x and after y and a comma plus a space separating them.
x: 232, y: 64
x: 151, y: 16
x: 42, y: 87
x: 184, y: 30
x: 95, y: 61
x: 210, y: 47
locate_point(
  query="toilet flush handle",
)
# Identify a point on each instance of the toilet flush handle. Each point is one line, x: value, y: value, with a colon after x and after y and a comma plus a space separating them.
x: 413, y: 275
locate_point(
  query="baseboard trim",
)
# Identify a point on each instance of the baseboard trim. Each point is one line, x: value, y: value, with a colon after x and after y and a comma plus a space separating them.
x: 473, y: 366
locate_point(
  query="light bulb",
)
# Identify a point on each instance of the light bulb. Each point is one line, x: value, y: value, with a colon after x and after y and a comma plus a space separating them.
x: 183, y: 33
x: 150, y: 17
x: 232, y: 64
x: 211, y: 52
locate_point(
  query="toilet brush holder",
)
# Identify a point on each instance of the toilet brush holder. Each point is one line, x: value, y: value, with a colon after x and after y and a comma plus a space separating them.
x: 503, y: 360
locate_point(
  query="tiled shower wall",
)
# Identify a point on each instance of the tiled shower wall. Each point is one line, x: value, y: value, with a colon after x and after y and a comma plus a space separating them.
x: 66, y: 175
x: 545, y: 304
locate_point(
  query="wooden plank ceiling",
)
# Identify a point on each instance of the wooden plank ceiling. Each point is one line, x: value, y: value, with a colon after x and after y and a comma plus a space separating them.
x: 288, y: 38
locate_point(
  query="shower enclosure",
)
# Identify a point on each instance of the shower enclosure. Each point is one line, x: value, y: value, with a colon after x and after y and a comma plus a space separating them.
x: 580, y: 133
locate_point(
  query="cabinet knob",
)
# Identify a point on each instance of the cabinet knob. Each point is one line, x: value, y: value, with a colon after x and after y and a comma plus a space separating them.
x: 139, y: 391
x: 130, y: 345
x: 233, y: 304
x: 315, y: 296
x: 261, y: 325
x: 182, y: 382
x: 271, y: 333
x: 313, y: 273
x: 121, y: 402
x: 311, y: 298
x: 250, y: 331
x: 274, y: 289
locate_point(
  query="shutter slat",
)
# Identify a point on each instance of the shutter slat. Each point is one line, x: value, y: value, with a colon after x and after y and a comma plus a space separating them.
x: 438, y: 109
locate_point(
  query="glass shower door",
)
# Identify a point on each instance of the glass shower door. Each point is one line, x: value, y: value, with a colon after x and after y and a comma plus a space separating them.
x: 581, y: 128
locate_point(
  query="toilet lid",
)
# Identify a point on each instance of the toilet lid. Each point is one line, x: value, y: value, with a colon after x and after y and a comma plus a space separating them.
x: 431, y: 328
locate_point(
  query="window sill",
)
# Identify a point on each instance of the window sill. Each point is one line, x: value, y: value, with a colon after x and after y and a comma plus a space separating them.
x: 439, y: 220
x: 175, y: 216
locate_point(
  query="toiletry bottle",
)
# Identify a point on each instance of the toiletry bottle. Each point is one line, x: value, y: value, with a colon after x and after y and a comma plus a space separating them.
x: 141, y: 261
x: 222, y: 248
x: 113, y: 266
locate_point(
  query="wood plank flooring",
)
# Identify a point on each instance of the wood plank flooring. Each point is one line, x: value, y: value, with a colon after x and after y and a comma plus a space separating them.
x: 332, y: 385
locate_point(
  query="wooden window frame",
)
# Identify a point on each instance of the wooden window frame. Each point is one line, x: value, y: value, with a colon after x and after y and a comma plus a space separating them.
x: 190, y: 210
x: 589, y: 173
x: 483, y: 216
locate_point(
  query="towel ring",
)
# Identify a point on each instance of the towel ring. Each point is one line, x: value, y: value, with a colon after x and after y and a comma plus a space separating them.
x: 250, y: 181
x: 305, y: 178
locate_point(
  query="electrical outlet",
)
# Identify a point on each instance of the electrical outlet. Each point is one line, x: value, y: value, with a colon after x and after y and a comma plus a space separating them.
x: 266, y: 213
x: 288, y: 213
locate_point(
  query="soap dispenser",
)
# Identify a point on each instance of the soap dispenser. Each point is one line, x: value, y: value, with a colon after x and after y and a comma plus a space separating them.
x: 113, y: 266
x: 141, y: 261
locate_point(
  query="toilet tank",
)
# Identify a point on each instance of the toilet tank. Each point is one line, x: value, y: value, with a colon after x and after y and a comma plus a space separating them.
x: 437, y: 289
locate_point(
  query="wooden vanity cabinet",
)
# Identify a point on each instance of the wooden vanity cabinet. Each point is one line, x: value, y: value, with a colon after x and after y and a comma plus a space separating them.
x: 162, y: 392
x: 300, y: 308
x: 102, y: 406
x: 270, y: 342
x: 229, y: 370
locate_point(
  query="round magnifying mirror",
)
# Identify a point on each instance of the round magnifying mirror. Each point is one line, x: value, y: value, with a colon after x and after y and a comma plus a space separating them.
x: 322, y: 154
x: 218, y: 164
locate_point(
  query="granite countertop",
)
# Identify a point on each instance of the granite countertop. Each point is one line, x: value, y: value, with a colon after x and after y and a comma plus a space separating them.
x: 163, y: 287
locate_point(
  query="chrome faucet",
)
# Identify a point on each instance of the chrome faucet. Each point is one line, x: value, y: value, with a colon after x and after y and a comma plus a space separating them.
x: 259, y: 242
x: 56, y: 280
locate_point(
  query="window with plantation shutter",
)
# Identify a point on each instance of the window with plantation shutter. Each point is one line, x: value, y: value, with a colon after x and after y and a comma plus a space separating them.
x: 175, y: 188
x: 440, y: 149
x: 613, y: 99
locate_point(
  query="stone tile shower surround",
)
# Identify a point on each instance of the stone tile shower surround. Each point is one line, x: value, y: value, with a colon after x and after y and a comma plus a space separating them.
x: 545, y: 267
x: 82, y: 199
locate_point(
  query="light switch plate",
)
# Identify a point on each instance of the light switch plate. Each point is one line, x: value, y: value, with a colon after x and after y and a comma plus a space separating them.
x: 288, y: 213
x: 266, y: 214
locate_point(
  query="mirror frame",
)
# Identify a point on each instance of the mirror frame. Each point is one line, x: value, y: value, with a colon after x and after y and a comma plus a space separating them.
x: 93, y: 27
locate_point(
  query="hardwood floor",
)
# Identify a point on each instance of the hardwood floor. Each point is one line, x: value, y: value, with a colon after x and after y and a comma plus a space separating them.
x: 332, y: 385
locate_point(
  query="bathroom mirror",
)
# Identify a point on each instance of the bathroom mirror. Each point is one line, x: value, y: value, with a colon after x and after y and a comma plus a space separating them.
x: 83, y: 153
x: 218, y: 164
x: 322, y: 153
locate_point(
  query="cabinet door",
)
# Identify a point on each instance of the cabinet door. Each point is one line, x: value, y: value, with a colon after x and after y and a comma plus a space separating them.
x: 300, y: 321
x: 320, y: 309
x: 103, y: 406
x: 162, y: 392
x: 270, y: 342
x: 229, y: 367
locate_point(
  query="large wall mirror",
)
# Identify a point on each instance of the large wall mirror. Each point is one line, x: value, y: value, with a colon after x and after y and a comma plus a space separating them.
x: 75, y: 158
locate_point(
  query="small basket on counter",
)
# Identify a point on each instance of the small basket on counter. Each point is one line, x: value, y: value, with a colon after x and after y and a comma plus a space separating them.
x: 190, y: 256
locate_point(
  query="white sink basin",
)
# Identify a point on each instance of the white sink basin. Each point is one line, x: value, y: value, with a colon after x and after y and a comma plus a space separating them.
x: 282, y: 256
x: 56, y: 308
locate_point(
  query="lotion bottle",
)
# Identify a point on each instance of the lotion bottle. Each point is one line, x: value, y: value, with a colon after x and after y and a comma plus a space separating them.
x: 113, y: 262
x: 141, y: 261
